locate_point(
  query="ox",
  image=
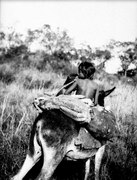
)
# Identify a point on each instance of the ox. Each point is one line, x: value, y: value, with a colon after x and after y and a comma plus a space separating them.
x: 54, y: 136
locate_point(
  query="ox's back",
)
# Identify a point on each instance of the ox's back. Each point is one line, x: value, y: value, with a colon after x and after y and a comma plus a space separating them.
x: 56, y: 128
x: 52, y: 133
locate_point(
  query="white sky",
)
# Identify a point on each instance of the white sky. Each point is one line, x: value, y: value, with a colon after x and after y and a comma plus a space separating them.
x: 94, y: 22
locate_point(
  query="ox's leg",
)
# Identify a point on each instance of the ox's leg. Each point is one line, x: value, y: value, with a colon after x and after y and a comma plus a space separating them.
x: 30, y: 161
x: 52, y: 157
x: 87, y: 169
x: 98, y: 160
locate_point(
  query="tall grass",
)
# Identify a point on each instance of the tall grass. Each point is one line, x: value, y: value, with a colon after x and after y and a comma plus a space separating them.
x: 17, y: 116
x: 123, y: 103
x: 34, y: 79
x: 120, y: 162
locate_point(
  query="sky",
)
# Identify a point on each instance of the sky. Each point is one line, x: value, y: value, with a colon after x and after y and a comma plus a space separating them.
x: 91, y: 22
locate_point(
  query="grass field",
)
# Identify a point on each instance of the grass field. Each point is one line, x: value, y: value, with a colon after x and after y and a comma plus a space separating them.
x: 17, y: 114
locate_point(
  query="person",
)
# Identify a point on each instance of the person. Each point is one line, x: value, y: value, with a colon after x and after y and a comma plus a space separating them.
x: 83, y: 83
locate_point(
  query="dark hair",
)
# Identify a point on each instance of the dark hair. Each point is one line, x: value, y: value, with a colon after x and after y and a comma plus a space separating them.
x: 87, y: 69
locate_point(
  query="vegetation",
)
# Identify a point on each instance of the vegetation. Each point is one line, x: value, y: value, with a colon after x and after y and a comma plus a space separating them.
x: 25, y: 75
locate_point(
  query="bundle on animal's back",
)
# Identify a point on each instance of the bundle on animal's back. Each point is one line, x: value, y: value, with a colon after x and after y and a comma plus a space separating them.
x: 98, y: 121
x: 102, y: 125
x: 76, y: 107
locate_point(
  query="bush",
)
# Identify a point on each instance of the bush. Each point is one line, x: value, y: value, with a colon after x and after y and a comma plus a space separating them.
x: 34, y: 79
x: 6, y: 73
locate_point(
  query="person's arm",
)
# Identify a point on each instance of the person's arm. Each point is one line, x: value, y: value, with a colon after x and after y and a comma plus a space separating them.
x: 73, y: 87
x: 69, y: 80
x: 60, y: 92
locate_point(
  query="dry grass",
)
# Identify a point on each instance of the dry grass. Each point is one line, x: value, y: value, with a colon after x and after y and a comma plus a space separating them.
x: 121, y: 161
x: 123, y: 103
x: 17, y: 116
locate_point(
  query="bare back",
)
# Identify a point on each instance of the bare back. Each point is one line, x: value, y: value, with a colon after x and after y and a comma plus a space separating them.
x: 87, y: 87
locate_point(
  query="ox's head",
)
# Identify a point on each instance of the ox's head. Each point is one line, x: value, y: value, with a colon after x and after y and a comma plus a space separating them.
x: 103, y: 94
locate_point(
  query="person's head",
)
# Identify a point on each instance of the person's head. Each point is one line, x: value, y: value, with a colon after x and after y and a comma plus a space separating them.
x: 86, y: 70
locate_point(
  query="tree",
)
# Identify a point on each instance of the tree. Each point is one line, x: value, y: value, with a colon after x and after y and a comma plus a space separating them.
x: 2, y: 49
x: 84, y: 53
x: 51, y: 41
x: 135, y: 53
x: 127, y: 55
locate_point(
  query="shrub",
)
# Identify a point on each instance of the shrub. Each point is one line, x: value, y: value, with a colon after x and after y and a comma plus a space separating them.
x: 7, y: 75
x: 34, y: 79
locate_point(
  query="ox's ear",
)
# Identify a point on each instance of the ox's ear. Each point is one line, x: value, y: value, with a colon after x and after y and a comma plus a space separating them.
x: 109, y: 91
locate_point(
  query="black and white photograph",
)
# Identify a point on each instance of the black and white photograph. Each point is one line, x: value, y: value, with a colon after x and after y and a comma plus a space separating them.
x: 68, y: 90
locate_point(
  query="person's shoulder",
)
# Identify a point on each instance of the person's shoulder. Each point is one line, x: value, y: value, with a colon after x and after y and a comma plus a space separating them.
x: 99, y: 83
x: 89, y: 82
